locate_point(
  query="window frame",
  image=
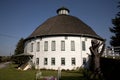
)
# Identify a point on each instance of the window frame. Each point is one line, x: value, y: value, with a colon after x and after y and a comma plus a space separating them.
x: 32, y: 44
x: 84, y: 61
x: 83, y: 45
x: 62, y: 45
x: 38, y: 46
x: 37, y: 61
x: 73, y: 61
x: 45, y: 61
x: 72, y: 45
x: 53, y: 46
x: 63, y: 61
x: 45, y: 45
x: 52, y: 61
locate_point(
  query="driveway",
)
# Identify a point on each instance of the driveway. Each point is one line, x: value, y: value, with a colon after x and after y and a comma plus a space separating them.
x: 3, y: 65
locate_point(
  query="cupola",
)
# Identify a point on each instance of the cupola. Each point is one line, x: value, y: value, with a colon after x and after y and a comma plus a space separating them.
x: 63, y: 10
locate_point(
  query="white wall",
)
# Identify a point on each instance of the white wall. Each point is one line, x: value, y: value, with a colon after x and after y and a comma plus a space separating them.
x: 58, y: 54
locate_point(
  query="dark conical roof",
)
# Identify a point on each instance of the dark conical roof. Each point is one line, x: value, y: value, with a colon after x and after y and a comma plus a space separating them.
x: 63, y: 25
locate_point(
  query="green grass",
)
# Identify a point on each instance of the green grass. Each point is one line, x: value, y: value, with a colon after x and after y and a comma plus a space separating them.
x: 11, y: 73
x: 110, y: 68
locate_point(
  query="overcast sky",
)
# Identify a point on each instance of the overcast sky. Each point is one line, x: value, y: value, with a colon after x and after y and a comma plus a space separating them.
x: 19, y: 18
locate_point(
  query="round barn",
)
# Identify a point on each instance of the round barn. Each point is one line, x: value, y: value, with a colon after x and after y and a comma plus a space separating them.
x: 62, y: 41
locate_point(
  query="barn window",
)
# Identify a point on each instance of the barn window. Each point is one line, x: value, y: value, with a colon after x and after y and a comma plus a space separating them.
x: 53, y: 45
x: 62, y: 61
x: 45, y: 61
x: 38, y: 46
x: 46, y: 46
x: 84, y: 61
x: 32, y: 47
x: 72, y: 45
x: 73, y: 61
x: 52, y: 61
x: 37, y: 61
x: 62, y: 45
x: 83, y: 46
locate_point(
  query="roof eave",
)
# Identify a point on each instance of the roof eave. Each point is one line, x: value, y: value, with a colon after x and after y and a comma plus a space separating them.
x: 66, y: 34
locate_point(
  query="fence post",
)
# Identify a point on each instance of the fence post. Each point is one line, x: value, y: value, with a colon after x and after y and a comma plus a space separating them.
x: 59, y: 73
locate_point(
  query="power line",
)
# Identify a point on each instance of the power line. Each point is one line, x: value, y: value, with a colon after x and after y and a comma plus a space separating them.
x: 8, y: 36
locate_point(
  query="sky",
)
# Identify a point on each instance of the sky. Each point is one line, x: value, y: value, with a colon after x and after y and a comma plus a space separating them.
x: 19, y: 18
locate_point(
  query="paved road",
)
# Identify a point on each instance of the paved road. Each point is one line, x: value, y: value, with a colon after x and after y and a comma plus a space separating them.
x: 3, y: 65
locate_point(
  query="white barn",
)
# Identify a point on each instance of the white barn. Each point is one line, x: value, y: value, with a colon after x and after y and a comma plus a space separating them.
x: 61, y: 41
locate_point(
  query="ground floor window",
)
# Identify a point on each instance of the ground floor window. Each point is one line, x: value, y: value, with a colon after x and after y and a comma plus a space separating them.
x: 37, y: 61
x: 62, y: 61
x: 84, y: 61
x: 45, y: 61
x: 73, y: 61
x: 52, y: 61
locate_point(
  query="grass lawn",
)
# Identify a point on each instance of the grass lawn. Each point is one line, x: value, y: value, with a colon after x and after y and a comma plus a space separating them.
x: 110, y: 68
x: 11, y: 73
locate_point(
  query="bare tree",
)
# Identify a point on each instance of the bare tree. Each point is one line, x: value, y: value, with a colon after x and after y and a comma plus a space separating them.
x: 96, y: 53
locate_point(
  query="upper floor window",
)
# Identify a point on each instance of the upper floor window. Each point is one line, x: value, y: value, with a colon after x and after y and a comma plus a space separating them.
x: 83, y: 46
x: 62, y: 45
x: 38, y: 46
x: 32, y: 47
x: 53, y: 46
x: 46, y: 46
x: 72, y: 45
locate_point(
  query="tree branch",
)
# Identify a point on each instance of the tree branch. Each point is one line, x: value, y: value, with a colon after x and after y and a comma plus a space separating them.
x: 91, y: 50
x: 102, y: 50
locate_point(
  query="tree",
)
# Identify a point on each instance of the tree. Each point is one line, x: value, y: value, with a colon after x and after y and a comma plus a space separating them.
x: 96, y: 53
x: 19, y: 50
x: 20, y: 47
x: 115, y: 39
